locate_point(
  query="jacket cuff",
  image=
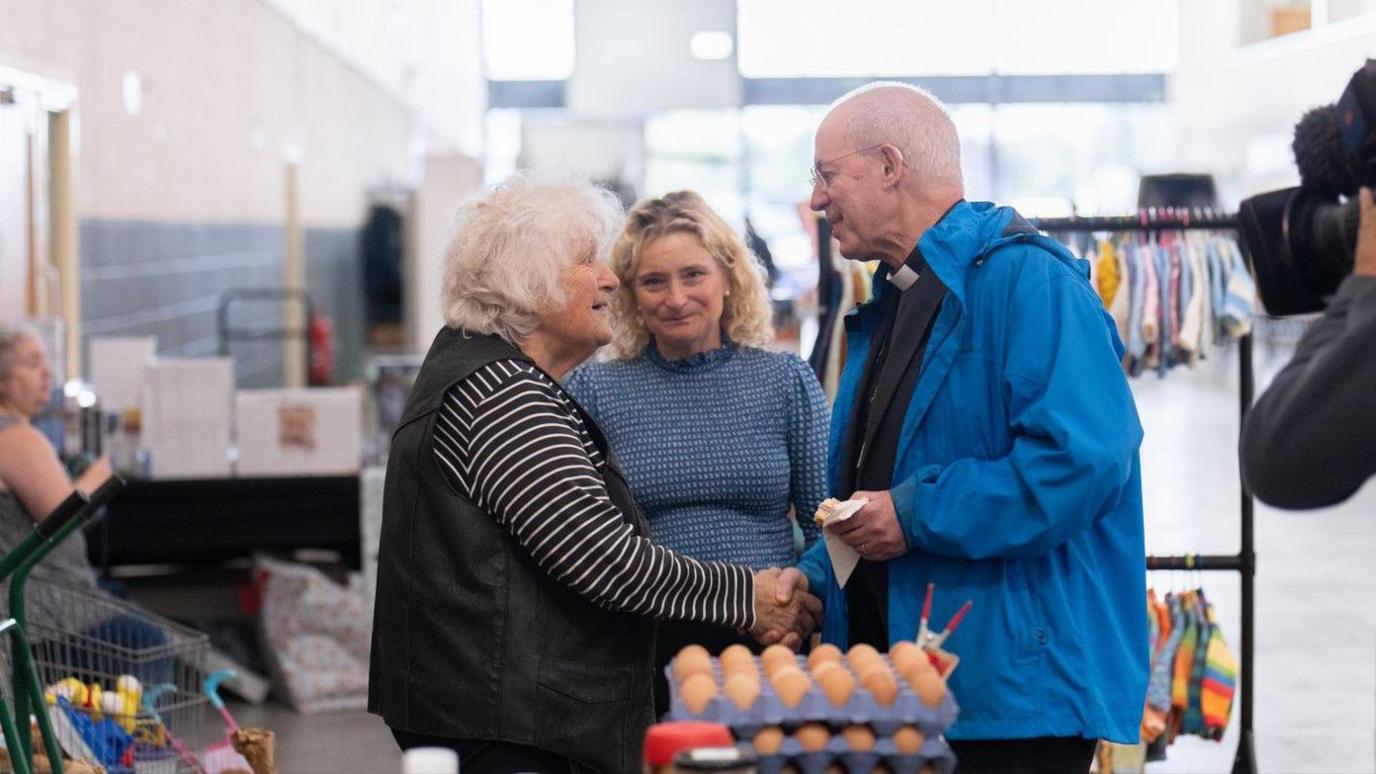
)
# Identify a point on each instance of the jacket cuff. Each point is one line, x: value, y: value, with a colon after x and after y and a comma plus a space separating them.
x: 904, y: 495
x: 814, y: 565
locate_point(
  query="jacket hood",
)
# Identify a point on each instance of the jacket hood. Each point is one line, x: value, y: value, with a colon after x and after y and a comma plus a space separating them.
x: 967, y: 234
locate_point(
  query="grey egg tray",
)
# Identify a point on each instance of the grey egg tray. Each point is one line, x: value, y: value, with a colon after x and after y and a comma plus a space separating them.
x: 934, y: 751
x: 861, y: 708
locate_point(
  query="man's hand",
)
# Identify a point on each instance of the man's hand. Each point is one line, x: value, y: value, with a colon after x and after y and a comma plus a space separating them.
x: 1365, y: 261
x: 873, y: 531
x: 784, y: 611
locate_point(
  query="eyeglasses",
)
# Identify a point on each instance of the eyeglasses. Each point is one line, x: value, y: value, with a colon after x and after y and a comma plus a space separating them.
x: 824, y: 177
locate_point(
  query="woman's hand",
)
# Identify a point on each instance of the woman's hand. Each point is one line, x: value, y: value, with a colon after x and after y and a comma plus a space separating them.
x: 784, y: 610
x: 94, y: 475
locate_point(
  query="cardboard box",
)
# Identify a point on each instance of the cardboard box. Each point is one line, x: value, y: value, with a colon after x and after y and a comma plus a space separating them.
x: 119, y: 370
x: 298, y: 432
x: 186, y: 417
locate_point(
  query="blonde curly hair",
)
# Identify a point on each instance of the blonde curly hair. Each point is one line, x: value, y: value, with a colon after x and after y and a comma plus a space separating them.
x: 747, y: 315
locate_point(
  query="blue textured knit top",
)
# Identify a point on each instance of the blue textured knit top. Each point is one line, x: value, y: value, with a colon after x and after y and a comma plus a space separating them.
x: 716, y: 447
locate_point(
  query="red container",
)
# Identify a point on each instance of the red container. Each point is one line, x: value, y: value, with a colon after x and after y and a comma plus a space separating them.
x: 664, y: 740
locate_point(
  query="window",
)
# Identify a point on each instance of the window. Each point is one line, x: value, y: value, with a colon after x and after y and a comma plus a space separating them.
x: 501, y: 145
x: 697, y: 149
x: 1054, y: 159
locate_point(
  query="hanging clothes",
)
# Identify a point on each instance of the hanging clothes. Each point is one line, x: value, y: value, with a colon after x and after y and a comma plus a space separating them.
x: 1119, y: 304
x: 850, y: 285
x: 1239, y: 297
x: 1220, y: 681
x: 1151, y: 308
x: 1174, y: 296
x: 1107, y: 271
x: 1137, y: 339
x: 1165, y: 317
x: 831, y: 371
x: 1193, y: 722
x: 1193, y: 674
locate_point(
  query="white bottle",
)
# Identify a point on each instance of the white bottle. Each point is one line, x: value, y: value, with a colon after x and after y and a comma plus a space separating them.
x: 430, y: 760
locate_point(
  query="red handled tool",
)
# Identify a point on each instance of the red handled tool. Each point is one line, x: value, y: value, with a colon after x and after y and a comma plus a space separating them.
x: 923, y: 633
x: 951, y: 625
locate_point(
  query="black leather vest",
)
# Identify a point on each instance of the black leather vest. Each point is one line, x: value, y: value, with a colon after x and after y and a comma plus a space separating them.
x: 471, y: 639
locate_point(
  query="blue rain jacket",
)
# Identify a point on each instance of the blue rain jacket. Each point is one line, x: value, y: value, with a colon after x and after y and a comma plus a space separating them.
x: 1017, y: 486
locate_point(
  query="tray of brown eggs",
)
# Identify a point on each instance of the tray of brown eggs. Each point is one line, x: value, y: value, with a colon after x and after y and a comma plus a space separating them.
x: 860, y: 710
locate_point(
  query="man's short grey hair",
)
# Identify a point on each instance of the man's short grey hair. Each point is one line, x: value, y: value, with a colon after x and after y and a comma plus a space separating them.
x: 510, y: 245
x: 10, y: 334
x: 910, y: 119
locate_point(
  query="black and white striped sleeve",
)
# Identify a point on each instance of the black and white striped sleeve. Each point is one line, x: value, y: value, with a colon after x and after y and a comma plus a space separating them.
x: 507, y: 439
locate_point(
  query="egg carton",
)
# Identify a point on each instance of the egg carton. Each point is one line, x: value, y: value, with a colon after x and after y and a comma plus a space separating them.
x: 861, y: 708
x: 934, y: 751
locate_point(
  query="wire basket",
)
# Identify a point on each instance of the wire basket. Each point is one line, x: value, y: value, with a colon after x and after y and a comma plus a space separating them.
x: 123, y: 685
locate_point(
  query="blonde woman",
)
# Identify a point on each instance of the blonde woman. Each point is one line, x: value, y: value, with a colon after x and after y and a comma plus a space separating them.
x: 719, y: 437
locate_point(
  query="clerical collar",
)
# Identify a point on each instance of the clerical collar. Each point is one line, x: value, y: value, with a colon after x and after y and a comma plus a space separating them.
x: 908, y: 273
x: 915, y: 264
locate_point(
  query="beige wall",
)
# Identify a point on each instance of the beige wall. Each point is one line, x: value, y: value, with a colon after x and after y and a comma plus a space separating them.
x: 231, y: 89
x: 427, y: 53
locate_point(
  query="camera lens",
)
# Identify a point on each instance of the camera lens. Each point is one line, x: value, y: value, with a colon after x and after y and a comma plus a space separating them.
x: 1323, y: 241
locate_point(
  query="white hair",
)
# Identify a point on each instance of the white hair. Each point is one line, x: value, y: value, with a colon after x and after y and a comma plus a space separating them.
x: 10, y: 334
x: 510, y: 245
x: 910, y: 119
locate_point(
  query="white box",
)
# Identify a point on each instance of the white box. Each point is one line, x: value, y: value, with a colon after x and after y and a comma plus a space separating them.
x: 298, y: 432
x: 186, y: 409
x: 119, y: 370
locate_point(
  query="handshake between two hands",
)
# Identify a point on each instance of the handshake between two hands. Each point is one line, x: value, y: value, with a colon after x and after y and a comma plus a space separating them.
x: 784, y: 610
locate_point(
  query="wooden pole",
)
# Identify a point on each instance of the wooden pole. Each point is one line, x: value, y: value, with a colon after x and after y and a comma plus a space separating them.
x: 64, y: 239
x: 294, y: 278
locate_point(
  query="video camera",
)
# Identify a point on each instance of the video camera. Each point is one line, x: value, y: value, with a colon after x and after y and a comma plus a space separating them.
x: 1302, y: 240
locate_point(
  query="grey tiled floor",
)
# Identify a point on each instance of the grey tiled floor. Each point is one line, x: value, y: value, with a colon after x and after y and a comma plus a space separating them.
x: 1316, y: 610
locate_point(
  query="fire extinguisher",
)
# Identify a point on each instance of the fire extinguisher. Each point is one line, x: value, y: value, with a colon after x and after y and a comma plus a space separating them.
x: 321, y: 333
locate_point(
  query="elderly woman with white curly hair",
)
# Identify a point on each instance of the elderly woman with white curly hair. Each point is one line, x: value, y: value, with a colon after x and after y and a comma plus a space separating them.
x: 517, y: 587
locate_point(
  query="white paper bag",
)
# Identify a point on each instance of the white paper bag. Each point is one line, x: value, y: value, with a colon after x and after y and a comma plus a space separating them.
x: 843, y: 557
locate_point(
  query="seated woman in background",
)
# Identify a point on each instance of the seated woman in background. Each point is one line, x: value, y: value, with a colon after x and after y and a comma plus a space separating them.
x: 517, y: 587
x: 32, y: 479
x: 719, y: 437
x: 32, y: 483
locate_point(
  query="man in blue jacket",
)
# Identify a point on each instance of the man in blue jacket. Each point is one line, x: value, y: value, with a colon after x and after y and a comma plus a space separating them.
x: 983, y: 412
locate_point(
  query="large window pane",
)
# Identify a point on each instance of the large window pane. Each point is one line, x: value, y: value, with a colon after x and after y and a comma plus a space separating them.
x: 778, y: 143
x: 697, y: 149
x: 502, y: 148
x: 1052, y: 159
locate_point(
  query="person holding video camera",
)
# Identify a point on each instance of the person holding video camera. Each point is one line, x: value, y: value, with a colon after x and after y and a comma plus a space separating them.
x: 1310, y: 441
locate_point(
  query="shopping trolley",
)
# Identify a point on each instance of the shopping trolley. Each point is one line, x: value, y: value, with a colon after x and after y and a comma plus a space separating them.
x: 25, y: 680
x: 84, y: 670
x: 124, y: 683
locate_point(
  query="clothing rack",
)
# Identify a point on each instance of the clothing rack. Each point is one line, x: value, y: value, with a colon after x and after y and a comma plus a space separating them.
x: 1245, y: 561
